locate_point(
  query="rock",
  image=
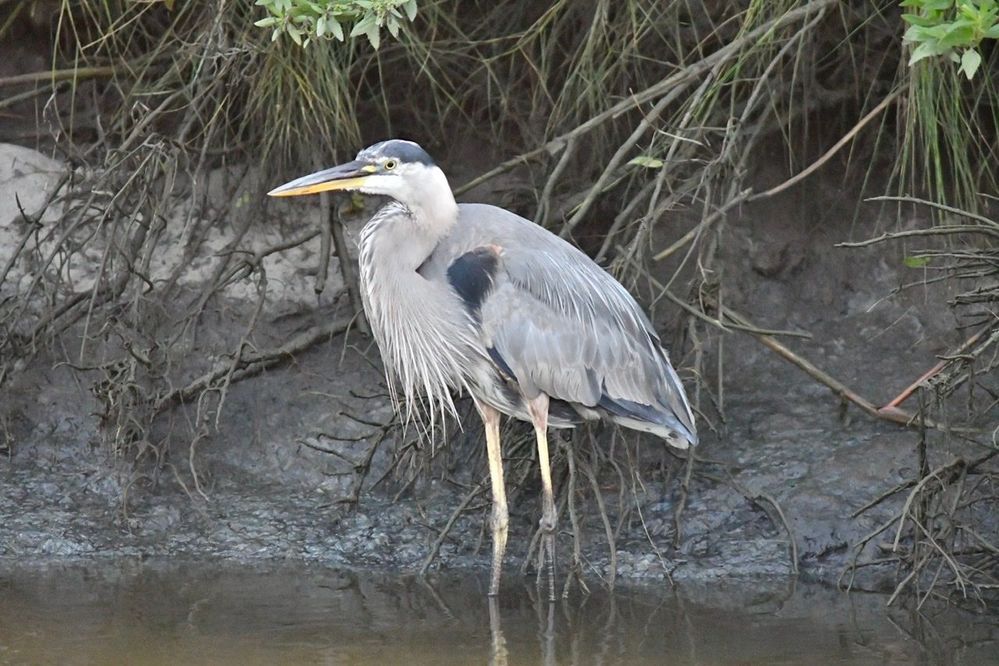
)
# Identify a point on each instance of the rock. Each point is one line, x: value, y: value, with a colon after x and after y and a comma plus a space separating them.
x: 26, y: 176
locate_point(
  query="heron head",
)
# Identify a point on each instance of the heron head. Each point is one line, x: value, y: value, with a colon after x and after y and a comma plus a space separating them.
x: 394, y: 168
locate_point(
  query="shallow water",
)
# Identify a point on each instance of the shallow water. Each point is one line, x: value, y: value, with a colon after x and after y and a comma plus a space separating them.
x: 173, y: 613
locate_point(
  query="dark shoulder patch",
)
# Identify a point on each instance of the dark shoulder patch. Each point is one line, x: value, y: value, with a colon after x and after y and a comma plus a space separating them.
x: 472, y: 275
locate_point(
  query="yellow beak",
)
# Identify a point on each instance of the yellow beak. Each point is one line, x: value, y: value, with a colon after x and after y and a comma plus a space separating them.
x: 349, y: 176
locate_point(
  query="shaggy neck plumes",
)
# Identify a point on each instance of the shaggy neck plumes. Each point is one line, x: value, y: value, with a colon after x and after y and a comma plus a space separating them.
x: 425, y: 343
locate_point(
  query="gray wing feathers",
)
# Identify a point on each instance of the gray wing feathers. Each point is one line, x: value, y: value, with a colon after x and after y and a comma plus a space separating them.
x: 564, y: 325
x: 543, y: 352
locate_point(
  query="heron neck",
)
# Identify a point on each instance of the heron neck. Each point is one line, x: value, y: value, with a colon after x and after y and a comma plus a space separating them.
x: 400, y: 238
x: 432, y: 221
x: 431, y: 212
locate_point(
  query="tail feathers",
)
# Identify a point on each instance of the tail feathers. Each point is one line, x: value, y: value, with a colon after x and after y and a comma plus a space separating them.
x: 656, y: 420
x: 680, y: 412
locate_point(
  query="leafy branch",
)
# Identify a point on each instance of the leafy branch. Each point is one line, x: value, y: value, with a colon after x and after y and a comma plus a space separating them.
x: 306, y: 20
x: 945, y: 27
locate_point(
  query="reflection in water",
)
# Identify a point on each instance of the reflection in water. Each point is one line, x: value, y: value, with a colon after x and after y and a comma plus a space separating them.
x: 498, y: 654
x: 167, y: 613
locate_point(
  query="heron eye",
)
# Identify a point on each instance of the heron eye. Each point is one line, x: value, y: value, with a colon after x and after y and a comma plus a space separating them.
x: 389, y: 165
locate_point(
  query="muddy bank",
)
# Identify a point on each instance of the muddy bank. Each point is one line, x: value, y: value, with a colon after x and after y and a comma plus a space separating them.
x: 276, y: 498
x: 299, y: 462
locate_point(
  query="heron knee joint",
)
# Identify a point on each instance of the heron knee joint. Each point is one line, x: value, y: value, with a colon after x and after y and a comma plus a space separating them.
x: 547, y: 524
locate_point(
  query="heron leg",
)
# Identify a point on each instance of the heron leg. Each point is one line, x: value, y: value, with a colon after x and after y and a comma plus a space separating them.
x: 538, y: 409
x: 501, y: 517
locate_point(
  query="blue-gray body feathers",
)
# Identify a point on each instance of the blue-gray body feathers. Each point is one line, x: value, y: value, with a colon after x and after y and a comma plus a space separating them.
x: 548, y: 319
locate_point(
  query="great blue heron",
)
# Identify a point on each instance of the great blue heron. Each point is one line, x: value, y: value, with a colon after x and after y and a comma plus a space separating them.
x: 475, y: 298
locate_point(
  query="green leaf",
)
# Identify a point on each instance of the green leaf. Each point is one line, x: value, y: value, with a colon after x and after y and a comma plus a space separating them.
x: 646, y: 161
x: 937, y: 31
x: 410, y: 9
x: 916, y: 19
x: 993, y: 32
x: 336, y: 29
x: 970, y: 61
x: 925, y: 50
x: 267, y: 22
x: 967, y: 11
x: 374, y: 36
x: 362, y: 26
x: 961, y: 33
x: 916, y: 261
x: 917, y: 34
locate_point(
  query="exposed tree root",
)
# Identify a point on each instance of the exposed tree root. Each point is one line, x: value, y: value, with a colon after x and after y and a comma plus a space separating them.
x: 936, y: 541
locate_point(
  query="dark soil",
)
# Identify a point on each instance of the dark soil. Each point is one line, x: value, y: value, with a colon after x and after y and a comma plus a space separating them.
x: 278, y: 478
